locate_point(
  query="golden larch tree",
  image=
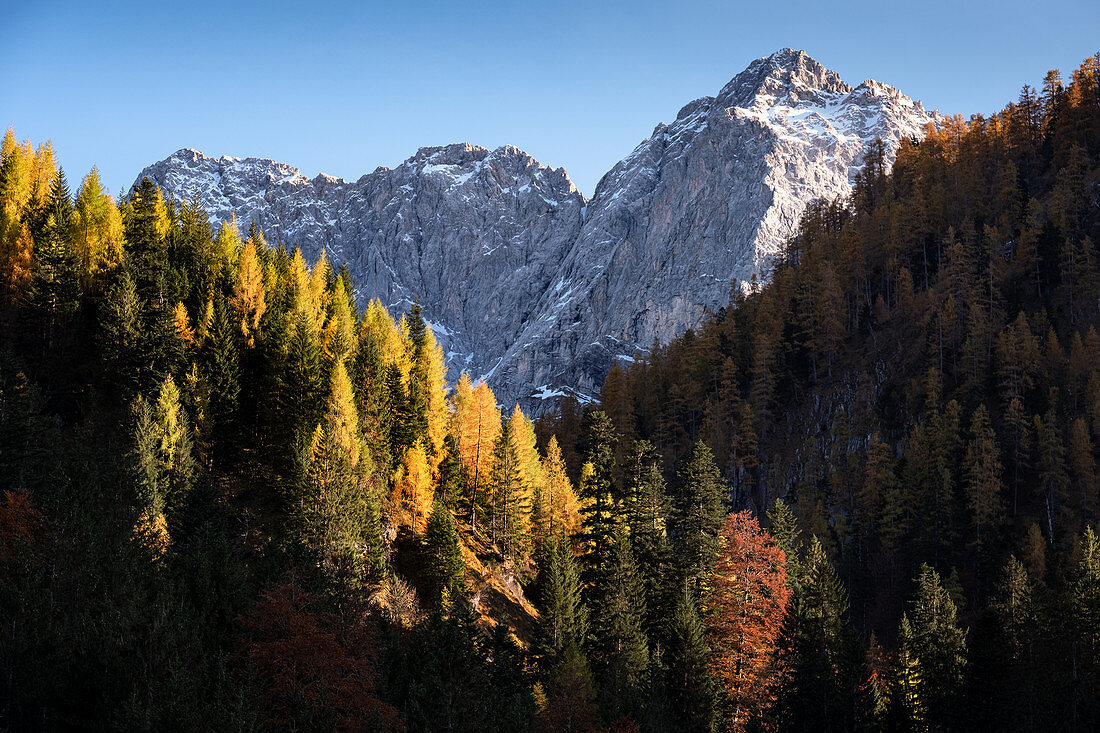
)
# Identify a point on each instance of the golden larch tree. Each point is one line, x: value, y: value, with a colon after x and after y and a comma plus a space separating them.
x: 248, y: 301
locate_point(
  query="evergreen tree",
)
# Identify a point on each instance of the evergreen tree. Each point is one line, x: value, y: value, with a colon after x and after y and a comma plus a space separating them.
x: 697, y: 516
x: 601, y: 509
x: 506, y: 495
x: 647, y: 518
x: 939, y: 645
x: 563, y: 618
x: 983, y: 474
x: 1085, y: 609
x: 691, y: 690
x: 619, y: 651
x: 444, y: 554
x: 224, y: 377
x: 162, y: 452
x: 821, y: 686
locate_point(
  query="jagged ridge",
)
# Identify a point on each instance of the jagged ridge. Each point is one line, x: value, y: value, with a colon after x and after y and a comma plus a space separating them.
x: 535, y: 288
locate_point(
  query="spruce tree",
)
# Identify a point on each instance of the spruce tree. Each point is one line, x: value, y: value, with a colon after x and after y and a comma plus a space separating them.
x: 224, y: 377
x: 822, y: 657
x: 697, y: 516
x: 690, y: 687
x: 940, y: 646
x: 563, y: 618
x: 647, y: 518
x: 444, y: 554
x: 602, y: 511
x: 619, y: 651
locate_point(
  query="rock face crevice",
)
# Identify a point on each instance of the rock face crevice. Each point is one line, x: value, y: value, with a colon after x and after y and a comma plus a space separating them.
x: 534, y: 287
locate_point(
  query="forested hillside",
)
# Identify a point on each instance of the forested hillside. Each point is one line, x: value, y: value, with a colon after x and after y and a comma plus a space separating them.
x: 919, y: 387
x: 862, y: 497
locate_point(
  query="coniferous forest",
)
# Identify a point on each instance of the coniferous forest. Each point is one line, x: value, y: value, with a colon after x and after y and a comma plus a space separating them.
x: 864, y: 496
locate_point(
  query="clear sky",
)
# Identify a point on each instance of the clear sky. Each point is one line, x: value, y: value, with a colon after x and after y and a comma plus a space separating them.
x: 343, y: 87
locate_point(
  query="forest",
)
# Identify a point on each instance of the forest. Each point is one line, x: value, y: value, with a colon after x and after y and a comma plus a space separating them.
x: 864, y: 496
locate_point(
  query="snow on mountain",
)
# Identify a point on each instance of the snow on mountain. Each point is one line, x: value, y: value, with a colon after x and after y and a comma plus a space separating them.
x: 537, y: 289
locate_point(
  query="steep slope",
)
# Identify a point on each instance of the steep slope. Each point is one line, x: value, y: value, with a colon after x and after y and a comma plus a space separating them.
x: 708, y: 198
x: 526, y: 286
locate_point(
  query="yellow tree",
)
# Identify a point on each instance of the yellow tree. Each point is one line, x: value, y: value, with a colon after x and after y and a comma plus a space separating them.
x: 412, y: 488
x: 227, y: 248
x: 182, y: 323
x: 97, y: 231
x: 338, y: 338
x: 342, y: 420
x: 378, y: 325
x: 16, y: 188
x: 557, y: 508
x: 475, y: 425
x: 248, y: 294
x: 532, y: 476
x: 432, y: 371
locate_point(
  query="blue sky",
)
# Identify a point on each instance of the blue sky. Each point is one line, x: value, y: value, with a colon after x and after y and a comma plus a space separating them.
x: 344, y: 87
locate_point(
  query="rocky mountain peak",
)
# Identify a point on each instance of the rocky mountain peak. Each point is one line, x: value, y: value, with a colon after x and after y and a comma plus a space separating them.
x: 537, y: 289
x: 786, y: 76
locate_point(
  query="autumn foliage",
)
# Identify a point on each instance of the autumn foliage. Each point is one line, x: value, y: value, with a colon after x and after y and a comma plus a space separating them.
x: 747, y: 604
x: 312, y: 671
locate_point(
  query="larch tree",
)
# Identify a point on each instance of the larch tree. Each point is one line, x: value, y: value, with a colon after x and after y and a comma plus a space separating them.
x: 983, y: 470
x: 248, y: 294
x: 97, y: 232
x: 559, y: 509
x: 412, y: 488
x: 476, y: 425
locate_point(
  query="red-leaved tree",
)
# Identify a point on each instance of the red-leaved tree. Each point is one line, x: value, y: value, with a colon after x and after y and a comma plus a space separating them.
x: 746, y: 605
x: 314, y: 673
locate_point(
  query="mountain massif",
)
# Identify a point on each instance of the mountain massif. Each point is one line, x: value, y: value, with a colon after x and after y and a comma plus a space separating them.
x: 538, y: 289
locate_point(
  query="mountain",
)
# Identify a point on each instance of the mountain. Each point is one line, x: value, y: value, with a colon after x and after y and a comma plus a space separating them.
x: 534, y: 287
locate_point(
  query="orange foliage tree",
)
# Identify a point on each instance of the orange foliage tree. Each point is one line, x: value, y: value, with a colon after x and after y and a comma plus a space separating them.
x: 313, y: 673
x: 746, y: 606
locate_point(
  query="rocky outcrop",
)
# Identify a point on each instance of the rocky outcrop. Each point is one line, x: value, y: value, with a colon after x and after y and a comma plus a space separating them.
x: 535, y: 288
